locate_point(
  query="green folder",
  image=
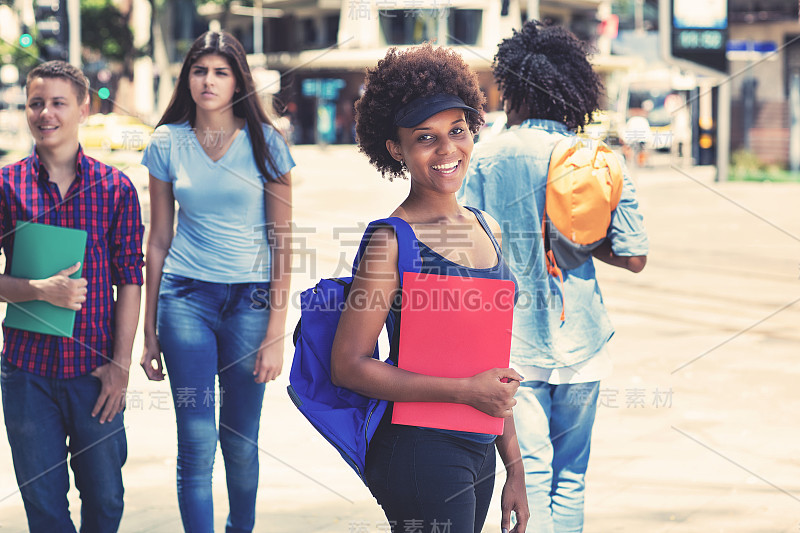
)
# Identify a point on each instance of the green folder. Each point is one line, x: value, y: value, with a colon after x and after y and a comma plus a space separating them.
x: 40, y: 251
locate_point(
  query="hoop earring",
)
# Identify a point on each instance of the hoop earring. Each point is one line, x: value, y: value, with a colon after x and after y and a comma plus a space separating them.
x: 403, y: 166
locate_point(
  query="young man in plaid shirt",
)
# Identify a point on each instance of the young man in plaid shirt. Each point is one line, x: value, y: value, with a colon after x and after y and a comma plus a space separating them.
x: 65, y: 395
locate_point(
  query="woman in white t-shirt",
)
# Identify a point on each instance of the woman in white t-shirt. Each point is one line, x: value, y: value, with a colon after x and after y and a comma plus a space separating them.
x: 217, y: 286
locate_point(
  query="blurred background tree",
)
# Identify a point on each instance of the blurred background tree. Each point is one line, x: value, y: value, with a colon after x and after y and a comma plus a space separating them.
x: 106, y: 31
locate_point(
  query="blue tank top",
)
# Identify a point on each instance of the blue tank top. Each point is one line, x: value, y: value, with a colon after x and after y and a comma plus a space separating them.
x: 433, y: 263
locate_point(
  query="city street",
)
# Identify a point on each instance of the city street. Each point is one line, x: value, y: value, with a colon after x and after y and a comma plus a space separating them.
x: 697, y: 427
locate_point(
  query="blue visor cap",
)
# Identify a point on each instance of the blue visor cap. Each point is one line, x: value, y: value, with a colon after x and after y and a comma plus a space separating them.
x: 421, y: 109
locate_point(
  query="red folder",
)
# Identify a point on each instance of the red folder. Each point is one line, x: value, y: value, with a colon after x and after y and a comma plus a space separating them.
x: 453, y: 327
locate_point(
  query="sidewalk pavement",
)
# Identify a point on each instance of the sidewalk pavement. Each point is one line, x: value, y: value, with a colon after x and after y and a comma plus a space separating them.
x: 696, y: 429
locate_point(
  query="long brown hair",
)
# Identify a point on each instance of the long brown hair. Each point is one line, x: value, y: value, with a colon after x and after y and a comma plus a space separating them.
x: 182, y: 107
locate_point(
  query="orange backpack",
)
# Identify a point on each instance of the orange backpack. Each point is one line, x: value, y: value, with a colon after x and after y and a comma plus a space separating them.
x: 584, y: 185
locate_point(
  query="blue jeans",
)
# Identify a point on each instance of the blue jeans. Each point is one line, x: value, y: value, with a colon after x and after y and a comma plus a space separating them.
x: 554, y: 429
x: 428, y: 481
x: 48, y: 419
x: 209, y: 329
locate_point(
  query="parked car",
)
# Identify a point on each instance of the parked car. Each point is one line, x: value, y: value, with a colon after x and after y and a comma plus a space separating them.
x: 114, y: 132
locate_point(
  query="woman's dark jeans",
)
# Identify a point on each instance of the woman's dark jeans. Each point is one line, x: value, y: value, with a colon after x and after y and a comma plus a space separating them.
x: 429, y: 481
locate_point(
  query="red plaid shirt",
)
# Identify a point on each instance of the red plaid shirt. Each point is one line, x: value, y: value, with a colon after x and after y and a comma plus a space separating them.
x: 102, y: 201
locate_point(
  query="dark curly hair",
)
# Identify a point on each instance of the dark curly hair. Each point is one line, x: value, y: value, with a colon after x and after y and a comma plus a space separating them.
x: 403, y: 76
x: 547, y: 68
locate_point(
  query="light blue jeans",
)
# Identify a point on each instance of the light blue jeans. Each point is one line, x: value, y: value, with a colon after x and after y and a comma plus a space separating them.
x: 208, y: 330
x: 554, y: 428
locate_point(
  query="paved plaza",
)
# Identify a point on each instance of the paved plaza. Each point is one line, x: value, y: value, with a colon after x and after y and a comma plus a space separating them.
x: 697, y: 429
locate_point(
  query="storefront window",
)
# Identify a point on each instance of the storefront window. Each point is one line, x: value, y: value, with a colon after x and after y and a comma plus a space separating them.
x: 755, y: 11
x: 464, y: 26
x: 409, y: 26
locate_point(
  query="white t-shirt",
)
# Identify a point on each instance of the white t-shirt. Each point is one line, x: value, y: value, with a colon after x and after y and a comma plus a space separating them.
x: 595, y: 368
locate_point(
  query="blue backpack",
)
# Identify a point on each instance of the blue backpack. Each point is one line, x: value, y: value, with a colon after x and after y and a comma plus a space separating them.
x: 345, y: 418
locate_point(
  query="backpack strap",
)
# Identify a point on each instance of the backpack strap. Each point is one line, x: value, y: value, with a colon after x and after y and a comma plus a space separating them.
x: 609, y: 159
x: 485, y: 225
x: 562, y: 150
x: 554, y: 270
x: 408, y: 259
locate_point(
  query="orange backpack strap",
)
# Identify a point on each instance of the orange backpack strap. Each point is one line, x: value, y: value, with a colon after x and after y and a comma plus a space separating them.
x: 584, y: 186
x: 553, y: 270
x: 605, y: 157
x: 563, y: 150
x: 567, y: 155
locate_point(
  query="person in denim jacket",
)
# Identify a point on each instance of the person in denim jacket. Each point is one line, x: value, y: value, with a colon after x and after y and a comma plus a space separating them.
x: 549, y: 91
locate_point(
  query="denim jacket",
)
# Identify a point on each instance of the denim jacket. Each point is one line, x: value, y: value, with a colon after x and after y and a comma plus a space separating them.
x: 507, y: 178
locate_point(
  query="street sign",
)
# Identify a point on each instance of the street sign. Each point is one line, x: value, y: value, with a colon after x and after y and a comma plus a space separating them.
x: 693, y: 36
x: 699, y: 32
x: 747, y: 50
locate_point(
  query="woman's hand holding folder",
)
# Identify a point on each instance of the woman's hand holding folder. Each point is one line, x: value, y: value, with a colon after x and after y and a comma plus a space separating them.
x: 494, y: 391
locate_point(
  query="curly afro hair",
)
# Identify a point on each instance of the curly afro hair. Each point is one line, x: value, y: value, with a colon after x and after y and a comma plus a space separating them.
x: 547, y: 68
x: 403, y: 76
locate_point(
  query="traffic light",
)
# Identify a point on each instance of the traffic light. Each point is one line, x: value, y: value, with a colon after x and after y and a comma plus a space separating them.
x: 25, y: 38
x: 52, y: 29
x: 102, y: 81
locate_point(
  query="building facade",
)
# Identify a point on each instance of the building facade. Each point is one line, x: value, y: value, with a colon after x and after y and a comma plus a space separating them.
x: 322, y: 47
x: 764, y: 56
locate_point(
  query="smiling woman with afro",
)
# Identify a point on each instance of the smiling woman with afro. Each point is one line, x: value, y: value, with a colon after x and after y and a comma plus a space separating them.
x: 417, y: 118
x: 404, y: 76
